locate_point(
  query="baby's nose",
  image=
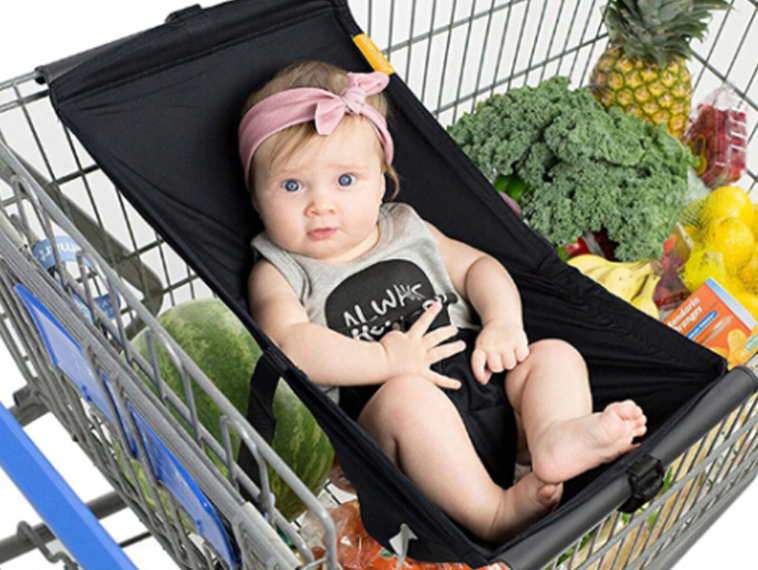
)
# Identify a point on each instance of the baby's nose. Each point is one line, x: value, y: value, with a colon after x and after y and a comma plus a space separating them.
x: 321, y: 203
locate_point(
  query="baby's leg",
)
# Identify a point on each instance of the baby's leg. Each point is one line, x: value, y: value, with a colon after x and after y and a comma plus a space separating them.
x: 419, y: 428
x: 550, y: 393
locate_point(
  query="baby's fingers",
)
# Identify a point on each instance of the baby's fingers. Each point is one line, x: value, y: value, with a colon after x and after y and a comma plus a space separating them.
x: 479, y: 366
x: 505, y: 361
x: 443, y: 351
x: 522, y: 352
x: 444, y: 381
x: 440, y: 335
x: 426, y: 319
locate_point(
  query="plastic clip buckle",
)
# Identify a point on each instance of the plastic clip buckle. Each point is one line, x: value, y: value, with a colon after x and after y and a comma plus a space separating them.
x: 183, y: 13
x: 646, y: 477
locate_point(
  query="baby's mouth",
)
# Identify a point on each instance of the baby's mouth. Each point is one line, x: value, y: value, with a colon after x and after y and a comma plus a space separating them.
x: 321, y: 233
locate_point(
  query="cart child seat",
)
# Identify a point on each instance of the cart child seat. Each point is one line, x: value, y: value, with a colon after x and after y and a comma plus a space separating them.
x: 159, y: 113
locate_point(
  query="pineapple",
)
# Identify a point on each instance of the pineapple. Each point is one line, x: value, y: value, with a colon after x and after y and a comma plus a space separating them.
x: 644, y: 69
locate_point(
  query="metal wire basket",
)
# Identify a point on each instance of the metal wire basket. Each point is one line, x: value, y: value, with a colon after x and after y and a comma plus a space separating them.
x: 103, y: 274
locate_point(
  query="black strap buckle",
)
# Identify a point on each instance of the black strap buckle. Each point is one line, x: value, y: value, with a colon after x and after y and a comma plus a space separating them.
x: 183, y: 13
x: 646, y: 477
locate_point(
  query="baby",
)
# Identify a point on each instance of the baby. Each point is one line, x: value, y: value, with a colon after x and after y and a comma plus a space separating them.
x: 422, y: 334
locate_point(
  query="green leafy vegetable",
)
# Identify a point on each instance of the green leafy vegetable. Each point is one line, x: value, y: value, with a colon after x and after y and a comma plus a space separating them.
x: 586, y: 169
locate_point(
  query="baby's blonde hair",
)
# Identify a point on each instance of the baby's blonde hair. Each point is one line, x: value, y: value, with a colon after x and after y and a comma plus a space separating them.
x: 320, y: 75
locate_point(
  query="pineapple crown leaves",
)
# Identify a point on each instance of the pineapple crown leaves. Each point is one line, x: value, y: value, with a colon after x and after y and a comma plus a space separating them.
x: 659, y: 30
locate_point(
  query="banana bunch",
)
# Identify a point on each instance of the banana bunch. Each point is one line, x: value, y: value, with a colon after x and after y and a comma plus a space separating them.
x: 633, y: 281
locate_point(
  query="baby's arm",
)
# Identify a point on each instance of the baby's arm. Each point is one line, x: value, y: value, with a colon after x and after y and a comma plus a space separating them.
x: 481, y: 279
x: 332, y: 359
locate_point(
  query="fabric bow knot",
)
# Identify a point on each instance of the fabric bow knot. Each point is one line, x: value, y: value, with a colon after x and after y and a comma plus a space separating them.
x: 352, y: 100
x: 302, y: 105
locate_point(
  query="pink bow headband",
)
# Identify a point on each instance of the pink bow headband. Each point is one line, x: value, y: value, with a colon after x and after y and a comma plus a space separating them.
x: 302, y: 105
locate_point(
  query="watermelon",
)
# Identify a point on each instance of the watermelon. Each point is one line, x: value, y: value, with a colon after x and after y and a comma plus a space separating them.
x: 222, y: 347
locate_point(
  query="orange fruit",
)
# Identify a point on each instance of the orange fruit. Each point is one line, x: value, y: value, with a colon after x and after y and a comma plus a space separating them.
x: 732, y: 238
x: 727, y: 202
x: 720, y: 350
x: 736, y: 339
x: 737, y: 353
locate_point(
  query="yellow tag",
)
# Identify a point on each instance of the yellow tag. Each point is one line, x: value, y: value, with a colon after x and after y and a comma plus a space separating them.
x: 372, y: 54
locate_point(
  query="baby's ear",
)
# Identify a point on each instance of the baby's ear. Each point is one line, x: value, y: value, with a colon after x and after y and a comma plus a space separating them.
x: 389, y: 191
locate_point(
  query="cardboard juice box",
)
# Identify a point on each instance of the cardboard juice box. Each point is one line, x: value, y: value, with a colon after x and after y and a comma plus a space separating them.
x: 715, y: 319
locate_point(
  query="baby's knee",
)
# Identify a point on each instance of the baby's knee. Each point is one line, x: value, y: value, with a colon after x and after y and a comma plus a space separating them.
x: 402, y: 392
x: 556, y: 351
x: 547, y: 358
x: 397, y: 402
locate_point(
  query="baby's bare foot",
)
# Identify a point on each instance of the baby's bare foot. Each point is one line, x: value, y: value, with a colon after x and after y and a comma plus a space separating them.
x: 523, y: 504
x: 566, y: 449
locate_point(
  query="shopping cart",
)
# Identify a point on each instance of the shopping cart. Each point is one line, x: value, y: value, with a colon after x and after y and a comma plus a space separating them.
x: 81, y: 272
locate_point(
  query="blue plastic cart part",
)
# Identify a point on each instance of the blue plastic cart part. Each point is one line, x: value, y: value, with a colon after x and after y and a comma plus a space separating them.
x: 66, y: 515
x: 66, y: 354
x: 183, y: 487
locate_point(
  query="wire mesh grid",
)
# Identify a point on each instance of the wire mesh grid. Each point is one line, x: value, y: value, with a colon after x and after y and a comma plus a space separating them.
x: 453, y: 54
x: 714, y: 469
x: 104, y: 269
x: 456, y: 53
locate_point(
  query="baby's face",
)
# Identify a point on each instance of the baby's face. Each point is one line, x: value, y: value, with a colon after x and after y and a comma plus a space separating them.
x: 323, y: 200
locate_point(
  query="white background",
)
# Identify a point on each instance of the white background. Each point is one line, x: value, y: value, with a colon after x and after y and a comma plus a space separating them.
x: 33, y: 32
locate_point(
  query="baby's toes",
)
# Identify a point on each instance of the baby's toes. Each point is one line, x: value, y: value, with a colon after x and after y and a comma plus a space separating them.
x: 627, y: 410
x: 640, y: 425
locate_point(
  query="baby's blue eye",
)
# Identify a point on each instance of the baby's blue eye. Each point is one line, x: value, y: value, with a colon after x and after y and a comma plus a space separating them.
x: 346, y: 180
x: 292, y: 186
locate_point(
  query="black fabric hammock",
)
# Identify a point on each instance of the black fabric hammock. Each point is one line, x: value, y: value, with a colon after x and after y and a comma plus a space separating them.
x: 159, y: 112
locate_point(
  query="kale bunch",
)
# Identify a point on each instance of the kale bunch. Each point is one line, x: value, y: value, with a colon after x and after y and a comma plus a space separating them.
x: 585, y: 168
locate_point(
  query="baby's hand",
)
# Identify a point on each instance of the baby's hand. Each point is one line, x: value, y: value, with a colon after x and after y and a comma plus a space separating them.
x: 414, y: 352
x: 499, y: 347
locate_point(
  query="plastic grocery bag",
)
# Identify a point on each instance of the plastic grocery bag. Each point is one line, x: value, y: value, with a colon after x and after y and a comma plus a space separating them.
x: 718, y: 137
x: 356, y: 550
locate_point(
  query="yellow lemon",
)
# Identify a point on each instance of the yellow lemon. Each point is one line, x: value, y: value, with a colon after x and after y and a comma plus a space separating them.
x: 748, y: 273
x: 732, y: 238
x: 727, y: 202
x: 754, y: 225
x: 692, y: 232
x: 701, y: 265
